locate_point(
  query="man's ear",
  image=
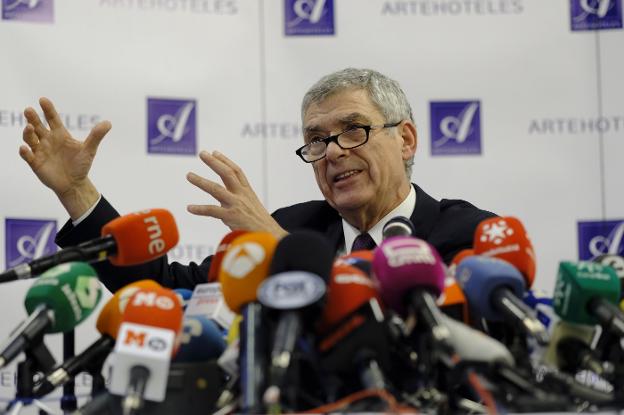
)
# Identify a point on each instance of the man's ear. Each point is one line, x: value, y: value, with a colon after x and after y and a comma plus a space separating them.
x: 407, y: 129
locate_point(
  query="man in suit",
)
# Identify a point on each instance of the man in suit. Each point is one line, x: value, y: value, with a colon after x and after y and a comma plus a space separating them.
x: 359, y: 137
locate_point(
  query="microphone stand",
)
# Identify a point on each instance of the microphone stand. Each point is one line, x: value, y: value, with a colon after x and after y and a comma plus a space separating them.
x: 68, y: 400
x: 38, y: 359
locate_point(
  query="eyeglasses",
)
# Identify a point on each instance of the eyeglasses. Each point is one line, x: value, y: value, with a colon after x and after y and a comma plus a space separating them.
x: 348, y: 139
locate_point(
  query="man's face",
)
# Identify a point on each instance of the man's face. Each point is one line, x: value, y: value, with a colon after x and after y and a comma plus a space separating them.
x: 369, y: 180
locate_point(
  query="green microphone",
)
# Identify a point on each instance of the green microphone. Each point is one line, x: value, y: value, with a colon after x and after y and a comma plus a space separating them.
x: 589, y: 293
x: 58, y: 301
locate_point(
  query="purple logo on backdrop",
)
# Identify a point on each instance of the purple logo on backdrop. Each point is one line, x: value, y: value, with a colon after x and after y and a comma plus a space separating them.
x: 171, y: 127
x: 28, y: 239
x: 309, y: 17
x: 41, y: 11
x: 455, y: 127
x: 597, y: 238
x: 596, y: 14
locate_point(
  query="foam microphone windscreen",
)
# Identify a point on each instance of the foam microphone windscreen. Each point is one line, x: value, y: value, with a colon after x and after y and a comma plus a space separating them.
x: 349, y: 289
x: 110, y: 317
x: 505, y: 238
x: 217, y: 258
x: 453, y: 301
x: 155, y: 307
x: 142, y: 236
x: 303, y: 251
x: 245, y: 265
x: 402, y: 264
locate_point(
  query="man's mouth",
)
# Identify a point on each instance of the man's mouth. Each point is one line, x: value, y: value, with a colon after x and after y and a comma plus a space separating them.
x: 346, y: 175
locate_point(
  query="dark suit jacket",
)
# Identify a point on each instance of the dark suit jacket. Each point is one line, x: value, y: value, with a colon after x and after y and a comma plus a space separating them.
x: 448, y: 225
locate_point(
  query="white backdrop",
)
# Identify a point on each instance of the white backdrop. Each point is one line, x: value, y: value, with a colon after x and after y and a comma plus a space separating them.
x: 551, y: 104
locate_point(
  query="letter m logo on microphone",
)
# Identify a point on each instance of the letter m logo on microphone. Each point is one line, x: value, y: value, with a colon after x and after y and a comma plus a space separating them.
x: 595, y: 14
x: 455, y: 127
x: 171, y: 126
x: 28, y: 239
x: 597, y: 238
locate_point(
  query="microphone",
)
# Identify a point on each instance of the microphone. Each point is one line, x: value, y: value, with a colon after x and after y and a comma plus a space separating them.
x: 411, y: 273
x: 299, y: 272
x: 245, y: 265
x: 505, y: 238
x: 588, y: 293
x: 146, y: 341
x: 352, y: 327
x: 107, y: 324
x: 207, y: 300
x: 184, y: 295
x: 61, y: 299
x: 398, y: 226
x: 570, y: 349
x: 493, y: 288
x: 616, y: 262
x: 127, y: 240
x: 362, y: 260
x: 217, y: 258
x: 452, y: 301
x: 201, y: 340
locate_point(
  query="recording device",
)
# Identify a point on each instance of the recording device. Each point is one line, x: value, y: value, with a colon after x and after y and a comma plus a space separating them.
x: 245, y: 265
x: 589, y: 293
x: 299, y: 272
x: 217, y: 258
x: 107, y: 324
x: 201, y: 340
x: 127, y: 240
x: 493, y: 288
x: 57, y: 302
x: 351, y: 329
x: 411, y: 276
x: 146, y: 342
x: 398, y: 226
x: 505, y: 238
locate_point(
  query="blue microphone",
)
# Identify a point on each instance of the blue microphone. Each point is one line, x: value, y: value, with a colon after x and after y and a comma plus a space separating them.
x: 494, y: 289
x: 201, y: 340
x: 184, y: 295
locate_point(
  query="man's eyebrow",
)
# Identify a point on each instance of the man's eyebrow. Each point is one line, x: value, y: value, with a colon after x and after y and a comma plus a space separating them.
x: 354, y: 117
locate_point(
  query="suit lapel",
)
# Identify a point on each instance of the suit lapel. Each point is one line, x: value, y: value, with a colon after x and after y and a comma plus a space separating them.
x: 425, y: 214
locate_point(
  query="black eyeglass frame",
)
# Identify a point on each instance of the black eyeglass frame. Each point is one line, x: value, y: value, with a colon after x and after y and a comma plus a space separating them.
x: 334, y: 139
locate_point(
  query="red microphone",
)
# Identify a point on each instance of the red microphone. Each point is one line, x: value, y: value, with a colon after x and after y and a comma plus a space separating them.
x: 505, y: 238
x: 217, y: 258
x: 453, y: 300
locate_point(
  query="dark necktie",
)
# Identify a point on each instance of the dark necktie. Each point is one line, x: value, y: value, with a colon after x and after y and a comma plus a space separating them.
x: 363, y: 242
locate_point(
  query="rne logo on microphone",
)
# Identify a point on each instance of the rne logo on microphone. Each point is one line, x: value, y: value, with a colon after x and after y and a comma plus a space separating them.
x: 496, y: 232
x: 596, y: 238
x: 595, y: 14
x: 309, y: 17
x: 455, y: 127
x: 171, y: 126
x: 37, y: 11
x: 156, y: 244
x: 241, y: 259
x: 28, y: 239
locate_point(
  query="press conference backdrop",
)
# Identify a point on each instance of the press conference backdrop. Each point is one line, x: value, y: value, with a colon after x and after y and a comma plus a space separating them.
x: 519, y: 107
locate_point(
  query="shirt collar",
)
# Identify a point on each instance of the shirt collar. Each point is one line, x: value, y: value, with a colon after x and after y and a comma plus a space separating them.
x: 405, y: 208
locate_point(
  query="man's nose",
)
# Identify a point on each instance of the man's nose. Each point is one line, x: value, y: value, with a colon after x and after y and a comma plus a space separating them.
x: 334, y: 151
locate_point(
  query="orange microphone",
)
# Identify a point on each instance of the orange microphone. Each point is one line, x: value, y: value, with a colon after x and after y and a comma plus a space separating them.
x: 245, y: 265
x: 217, y: 258
x: 142, y: 236
x: 453, y: 300
x: 155, y: 307
x: 505, y: 238
x: 108, y: 323
x: 349, y: 289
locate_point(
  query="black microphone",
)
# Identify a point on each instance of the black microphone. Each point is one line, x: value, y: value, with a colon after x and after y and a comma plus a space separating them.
x: 301, y: 266
x: 398, y: 226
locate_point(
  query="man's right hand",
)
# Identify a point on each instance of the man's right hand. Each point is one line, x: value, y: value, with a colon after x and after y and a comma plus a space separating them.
x: 61, y: 162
